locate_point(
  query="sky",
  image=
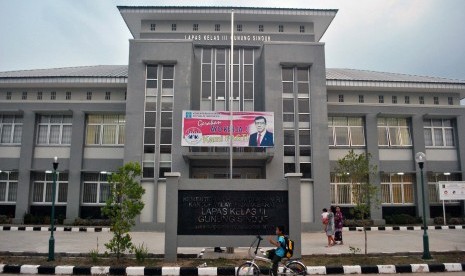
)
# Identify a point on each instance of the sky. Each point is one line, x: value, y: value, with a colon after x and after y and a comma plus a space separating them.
x: 420, y: 37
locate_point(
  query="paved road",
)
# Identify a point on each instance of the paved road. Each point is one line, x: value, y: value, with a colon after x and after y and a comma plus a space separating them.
x: 312, y: 243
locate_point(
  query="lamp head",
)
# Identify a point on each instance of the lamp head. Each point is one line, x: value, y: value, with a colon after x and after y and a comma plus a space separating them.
x: 420, y: 157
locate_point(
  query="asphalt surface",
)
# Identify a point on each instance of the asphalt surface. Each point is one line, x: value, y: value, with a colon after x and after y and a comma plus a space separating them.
x: 312, y: 243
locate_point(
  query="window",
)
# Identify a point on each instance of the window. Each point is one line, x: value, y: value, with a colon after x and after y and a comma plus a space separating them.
x: 341, y: 98
x: 421, y: 100
x: 239, y: 27
x: 173, y: 27
x: 450, y: 100
x: 281, y: 28
x: 346, y: 131
x: 105, y: 129
x: 53, y: 95
x: 8, y: 95
x: 8, y: 187
x: 24, y: 96
x: 153, y: 27
x: 11, y: 129
x: 42, y: 190
x: 261, y: 28
x: 95, y: 189
x: 436, y: 100
x: 433, y: 188
x: 381, y: 99
x: 397, y: 188
x: 342, y: 191
x: 407, y: 100
x: 195, y: 27
x: 54, y: 130
x: 107, y: 95
x: 302, y: 29
x: 361, y: 99
x: 394, y: 99
x: 89, y: 96
x: 158, y: 132
x: 394, y: 132
x: 217, y: 27
x: 39, y: 95
x: 439, y: 133
x: 296, y: 120
x: 68, y: 95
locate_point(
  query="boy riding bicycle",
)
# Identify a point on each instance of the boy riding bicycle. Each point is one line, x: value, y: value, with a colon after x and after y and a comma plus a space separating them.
x: 275, y: 255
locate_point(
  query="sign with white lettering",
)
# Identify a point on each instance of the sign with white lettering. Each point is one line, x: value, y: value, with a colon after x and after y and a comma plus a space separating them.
x: 211, y: 129
x: 451, y: 190
x: 231, y: 212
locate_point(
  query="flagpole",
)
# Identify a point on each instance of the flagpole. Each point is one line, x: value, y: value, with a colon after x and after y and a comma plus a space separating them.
x: 231, y: 94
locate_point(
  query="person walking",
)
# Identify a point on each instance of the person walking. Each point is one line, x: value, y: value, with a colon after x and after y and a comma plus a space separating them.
x: 338, y: 225
x: 330, y: 227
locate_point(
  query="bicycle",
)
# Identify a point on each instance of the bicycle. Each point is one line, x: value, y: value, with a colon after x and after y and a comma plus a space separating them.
x: 286, y: 267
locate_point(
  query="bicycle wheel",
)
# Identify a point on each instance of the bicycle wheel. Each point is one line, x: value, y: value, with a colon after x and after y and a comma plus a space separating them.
x: 247, y: 269
x: 297, y: 268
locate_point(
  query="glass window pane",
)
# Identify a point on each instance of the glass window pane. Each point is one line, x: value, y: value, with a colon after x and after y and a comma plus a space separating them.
x: 449, y: 137
x: 206, y: 55
x: 303, y: 88
x: 288, y: 105
x: 248, y: 56
x: 330, y: 136
x: 289, y: 137
x: 109, y: 135
x: 93, y: 134
x: 165, y: 137
x: 304, y: 137
x: 288, y: 87
x: 152, y: 71
x: 385, y: 193
x: 38, y: 192
x: 304, y: 105
x: 428, y: 137
x: 248, y: 73
x: 288, y: 117
x: 396, y: 193
x: 221, y: 56
x: 302, y: 74
x: 287, y: 74
x: 149, y: 136
x: 150, y: 118
x: 166, y: 119
x: 206, y: 90
x: 121, y: 135
x: 206, y: 72
x: 17, y: 134
x: 357, y: 136
x: 289, y: 150
x: 168, y: 72
x: 169, y: 84
x: 151, y: 85
x: 90, y: 193
x: 306, y: 170
x: 220, y: 73
x: 48, y: 191
x: 340, y: 121
x: 394, y: 136
x: 62, y: 192
x: 66, y: 136
x: 382, y: 136
x: 104, y: 192
x: 2, y: 191
x: 94, y: 119
x: 405, y: 136
x: 408, y: 193
x: 54, y: 134
x: 56, y: 119
x: 342, y: 136
x: 6, y: 133
x: 305, y: 151
x: 12, y: 191
x: 438, y: 141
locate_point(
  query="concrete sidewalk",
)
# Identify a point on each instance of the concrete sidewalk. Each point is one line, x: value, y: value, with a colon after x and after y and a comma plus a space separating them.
x: 312, y: 243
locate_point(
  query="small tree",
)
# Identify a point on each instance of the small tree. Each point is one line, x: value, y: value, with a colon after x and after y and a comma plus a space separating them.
x: 123, y: 205
x: 356, y: 170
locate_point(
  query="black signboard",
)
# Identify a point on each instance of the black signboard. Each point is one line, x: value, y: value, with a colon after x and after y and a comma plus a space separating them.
x: 231, y: 212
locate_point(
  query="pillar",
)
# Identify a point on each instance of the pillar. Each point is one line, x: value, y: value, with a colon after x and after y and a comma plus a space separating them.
x: 295, y: 222
x: 171, y: 219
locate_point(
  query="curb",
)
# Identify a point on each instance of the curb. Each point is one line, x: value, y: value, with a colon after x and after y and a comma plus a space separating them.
x: 107, y: 229
x: 57, y: 229
x: 222, y: 271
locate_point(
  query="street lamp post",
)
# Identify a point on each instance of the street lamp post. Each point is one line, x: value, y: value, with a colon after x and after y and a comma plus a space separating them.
x: 420, y: 158
x: 51, y: 241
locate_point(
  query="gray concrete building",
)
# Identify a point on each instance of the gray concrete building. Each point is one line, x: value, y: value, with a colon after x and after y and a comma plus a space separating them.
x: 96, y: 118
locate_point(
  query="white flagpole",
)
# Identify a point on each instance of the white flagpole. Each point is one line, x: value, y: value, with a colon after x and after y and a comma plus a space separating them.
x: 231, y: 94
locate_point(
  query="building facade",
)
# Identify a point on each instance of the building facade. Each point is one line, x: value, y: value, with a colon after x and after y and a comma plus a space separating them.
x: 96, y: 118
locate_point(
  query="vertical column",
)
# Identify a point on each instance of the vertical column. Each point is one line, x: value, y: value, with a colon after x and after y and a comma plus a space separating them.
x: 295, y: 219
x: 75, y: 166
x: 460, y: 143
x: 418, y: 138
x: 25, y: 162
x: 171, y: 218
x: 371, y: 121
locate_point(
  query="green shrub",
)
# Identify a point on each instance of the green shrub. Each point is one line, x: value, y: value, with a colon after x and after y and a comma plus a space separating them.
x: 455, y: 221
x: 93, y: 253
x: 141, y: 252
x: 5, y: 219
x: 358, y: 222
x: 438, y: 220
x: 403, y: 219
